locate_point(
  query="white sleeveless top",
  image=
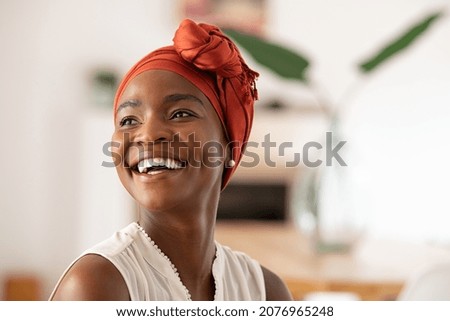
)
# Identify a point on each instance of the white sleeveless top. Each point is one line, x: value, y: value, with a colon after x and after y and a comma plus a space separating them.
x: 149, y: 274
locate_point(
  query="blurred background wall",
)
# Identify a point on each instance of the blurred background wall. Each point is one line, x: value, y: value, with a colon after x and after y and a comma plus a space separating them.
x: 57, y: 199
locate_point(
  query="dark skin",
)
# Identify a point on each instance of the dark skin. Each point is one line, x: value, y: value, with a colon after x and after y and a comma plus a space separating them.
x: 177, y: 207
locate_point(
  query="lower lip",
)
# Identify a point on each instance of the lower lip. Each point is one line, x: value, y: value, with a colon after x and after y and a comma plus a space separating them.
x: 155, y: 174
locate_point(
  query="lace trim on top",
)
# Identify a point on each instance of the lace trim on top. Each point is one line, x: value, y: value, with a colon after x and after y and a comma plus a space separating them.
x: 174, y: 268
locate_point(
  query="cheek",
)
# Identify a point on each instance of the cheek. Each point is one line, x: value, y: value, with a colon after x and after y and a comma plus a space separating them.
x: 122, y: 145
x: 117, y: 149
x: 210, y: 146
x: 119, y: 145
x: 213, y: 154
x: 122, y: 170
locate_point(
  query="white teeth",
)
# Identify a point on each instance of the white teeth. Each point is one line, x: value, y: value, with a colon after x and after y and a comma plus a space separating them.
x: 146, y: 164
x: 141, y: 167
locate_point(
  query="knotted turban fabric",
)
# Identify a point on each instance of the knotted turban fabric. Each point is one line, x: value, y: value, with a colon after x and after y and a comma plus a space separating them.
x: 202, y: 54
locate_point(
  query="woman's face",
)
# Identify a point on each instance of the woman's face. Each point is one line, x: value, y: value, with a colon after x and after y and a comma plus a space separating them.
x: 168, y: 142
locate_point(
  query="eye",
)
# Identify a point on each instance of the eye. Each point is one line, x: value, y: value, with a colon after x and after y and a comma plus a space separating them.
x: 128, y: 121
x: 181, y: 114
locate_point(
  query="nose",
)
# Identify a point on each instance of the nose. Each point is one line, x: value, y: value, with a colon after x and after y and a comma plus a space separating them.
x: 154, y: 129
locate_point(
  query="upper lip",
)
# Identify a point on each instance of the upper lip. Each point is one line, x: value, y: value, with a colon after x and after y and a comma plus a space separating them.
x: 149, y: 159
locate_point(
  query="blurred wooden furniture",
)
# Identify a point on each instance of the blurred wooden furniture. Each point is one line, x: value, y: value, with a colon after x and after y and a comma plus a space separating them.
x: 374, y: 269
x: 22, y: 288
x: 368, y: 291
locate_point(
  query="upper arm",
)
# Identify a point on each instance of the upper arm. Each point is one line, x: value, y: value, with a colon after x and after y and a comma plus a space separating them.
x: 92, y: 278
x: 276, y: 290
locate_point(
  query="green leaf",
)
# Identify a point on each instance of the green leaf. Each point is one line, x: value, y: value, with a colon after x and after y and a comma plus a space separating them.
x: 280, y: 60
x: 399, y: 44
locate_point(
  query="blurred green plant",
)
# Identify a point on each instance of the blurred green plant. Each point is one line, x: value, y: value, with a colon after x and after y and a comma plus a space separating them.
x: 282, y: 61
x: 399, y: 44
x: 290, y: 64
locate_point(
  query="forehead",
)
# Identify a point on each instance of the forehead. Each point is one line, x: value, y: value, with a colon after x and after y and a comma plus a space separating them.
x: 161, y: 82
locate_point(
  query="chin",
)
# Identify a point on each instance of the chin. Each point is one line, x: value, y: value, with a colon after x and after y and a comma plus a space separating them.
x: 161, y: 197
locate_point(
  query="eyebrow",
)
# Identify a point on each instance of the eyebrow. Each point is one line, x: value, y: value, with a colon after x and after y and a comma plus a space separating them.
x: 179, y: 97
x: 129, y: 103
x: 168, y: 99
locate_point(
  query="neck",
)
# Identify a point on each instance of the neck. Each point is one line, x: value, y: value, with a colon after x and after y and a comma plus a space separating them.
x: 188, y: 240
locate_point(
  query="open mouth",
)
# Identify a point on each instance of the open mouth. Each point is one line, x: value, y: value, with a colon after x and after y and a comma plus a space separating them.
x: 156, y: 165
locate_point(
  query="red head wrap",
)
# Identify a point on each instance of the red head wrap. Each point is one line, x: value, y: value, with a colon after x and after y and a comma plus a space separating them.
x: 211, y: 61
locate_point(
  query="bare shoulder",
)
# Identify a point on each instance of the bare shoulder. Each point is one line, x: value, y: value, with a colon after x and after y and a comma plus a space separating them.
x: 276, y: 290
x: 92, y: 278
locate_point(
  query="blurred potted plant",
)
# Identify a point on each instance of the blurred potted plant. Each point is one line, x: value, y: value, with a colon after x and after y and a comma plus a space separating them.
x: 289, y: 64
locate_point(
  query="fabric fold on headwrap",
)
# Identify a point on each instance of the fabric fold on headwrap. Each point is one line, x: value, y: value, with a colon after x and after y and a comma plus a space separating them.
x: 206, y: 57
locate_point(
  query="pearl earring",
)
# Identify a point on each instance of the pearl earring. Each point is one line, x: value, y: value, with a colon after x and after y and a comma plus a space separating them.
x: 231, y: 163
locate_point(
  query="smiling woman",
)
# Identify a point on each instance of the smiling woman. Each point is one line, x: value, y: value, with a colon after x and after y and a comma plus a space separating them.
x: 167, y: 111
x: 182, y: 116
